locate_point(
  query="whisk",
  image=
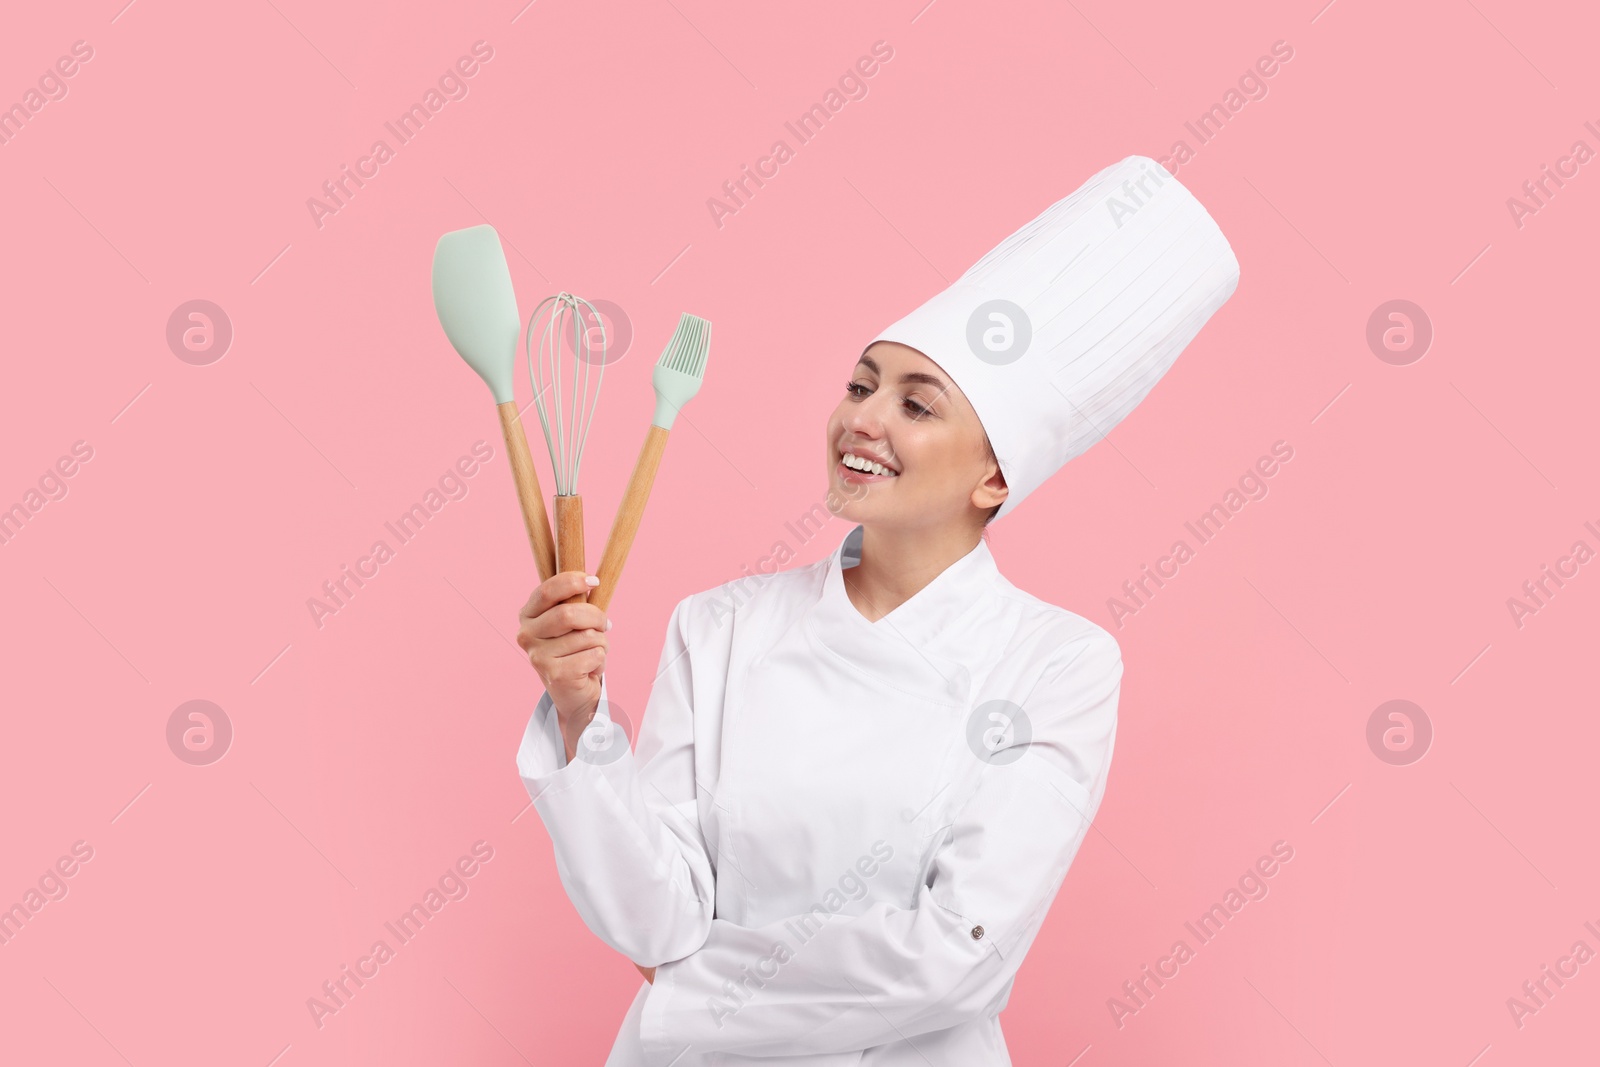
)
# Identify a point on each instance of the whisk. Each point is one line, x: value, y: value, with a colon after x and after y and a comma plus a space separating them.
x: 561, y: 321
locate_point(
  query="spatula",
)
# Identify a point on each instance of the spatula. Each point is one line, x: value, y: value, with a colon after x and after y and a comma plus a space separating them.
x: 478, y: 309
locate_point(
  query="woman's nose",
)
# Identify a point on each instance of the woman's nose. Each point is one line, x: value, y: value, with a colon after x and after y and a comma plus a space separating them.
x: 865, y: 418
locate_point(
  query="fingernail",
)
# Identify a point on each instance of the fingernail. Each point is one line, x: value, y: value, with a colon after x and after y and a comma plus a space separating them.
x: 593, y: 579
x: 608, y: 624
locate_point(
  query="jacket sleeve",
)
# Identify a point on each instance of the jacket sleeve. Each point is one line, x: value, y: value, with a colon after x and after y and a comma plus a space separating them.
x: 625, y: 825
x: 890, y: 973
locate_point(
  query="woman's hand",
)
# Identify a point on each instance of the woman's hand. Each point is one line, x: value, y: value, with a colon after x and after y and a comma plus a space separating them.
x: 566, y: 644
x: 649, y: 973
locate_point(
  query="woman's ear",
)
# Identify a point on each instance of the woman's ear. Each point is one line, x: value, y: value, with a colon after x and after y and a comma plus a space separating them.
x: 991, y: 491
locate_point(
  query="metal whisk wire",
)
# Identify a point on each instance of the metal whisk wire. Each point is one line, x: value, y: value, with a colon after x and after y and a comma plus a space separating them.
x: 570, y: 431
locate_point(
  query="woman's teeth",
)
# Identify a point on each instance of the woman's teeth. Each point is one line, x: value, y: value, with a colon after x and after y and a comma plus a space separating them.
x: 867, y: 465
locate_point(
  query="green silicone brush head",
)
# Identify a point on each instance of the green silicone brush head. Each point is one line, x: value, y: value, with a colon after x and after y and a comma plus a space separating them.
x: 477, y: 306
x: 681, y: 369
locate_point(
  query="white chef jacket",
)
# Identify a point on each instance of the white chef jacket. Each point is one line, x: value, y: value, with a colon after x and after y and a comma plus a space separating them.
x: 835, y: 839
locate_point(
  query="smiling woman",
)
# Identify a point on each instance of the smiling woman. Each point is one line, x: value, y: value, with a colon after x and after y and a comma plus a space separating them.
x: 908, y: 436
x: 854, y: 700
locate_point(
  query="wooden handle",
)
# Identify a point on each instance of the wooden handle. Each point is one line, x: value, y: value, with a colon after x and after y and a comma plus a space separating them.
x: 569, y: 539
x: 529, y: 494
x: 629, y: 514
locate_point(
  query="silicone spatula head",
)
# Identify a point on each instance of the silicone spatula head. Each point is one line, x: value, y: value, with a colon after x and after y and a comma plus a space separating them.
x: 476, y: 304
x: 681, y: 369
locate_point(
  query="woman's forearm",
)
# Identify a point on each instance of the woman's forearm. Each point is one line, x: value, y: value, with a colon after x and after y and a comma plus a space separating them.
x: 628, y: 845
x: 572, y: 728
x: 633, y: 861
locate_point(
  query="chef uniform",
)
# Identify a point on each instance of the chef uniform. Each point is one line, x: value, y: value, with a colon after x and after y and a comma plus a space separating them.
x: 836, y: 839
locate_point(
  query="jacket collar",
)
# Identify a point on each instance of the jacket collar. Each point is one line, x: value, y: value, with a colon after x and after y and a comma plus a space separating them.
x: 928, y: 613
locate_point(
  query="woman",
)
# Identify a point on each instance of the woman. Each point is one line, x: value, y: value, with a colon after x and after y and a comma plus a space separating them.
x: 858, y: 784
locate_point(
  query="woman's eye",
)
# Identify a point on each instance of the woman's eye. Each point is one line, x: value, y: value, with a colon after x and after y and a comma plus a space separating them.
x: 860, y: 391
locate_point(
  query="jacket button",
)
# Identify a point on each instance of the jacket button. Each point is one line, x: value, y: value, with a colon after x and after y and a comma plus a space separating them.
x: 977, y: 933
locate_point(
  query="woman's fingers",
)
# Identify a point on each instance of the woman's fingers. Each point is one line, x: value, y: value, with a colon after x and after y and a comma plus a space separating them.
x: 553, y: 590
x: 573, y: 670
x: 565, y: 643
x: 560, y: 619
x: 553, y: 657
x: 558, y: 622
x: 577, y: 641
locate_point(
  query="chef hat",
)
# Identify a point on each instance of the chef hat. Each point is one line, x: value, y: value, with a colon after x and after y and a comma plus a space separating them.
x: 1059, y: 332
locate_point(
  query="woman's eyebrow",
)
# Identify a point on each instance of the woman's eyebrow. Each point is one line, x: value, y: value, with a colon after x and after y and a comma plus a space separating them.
x: 912, y: 377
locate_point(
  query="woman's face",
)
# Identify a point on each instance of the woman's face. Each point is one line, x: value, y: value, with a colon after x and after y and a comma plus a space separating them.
x: 902, y: 411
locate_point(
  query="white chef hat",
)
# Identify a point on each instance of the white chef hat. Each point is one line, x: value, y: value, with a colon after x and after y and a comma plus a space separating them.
x: 1059, y: 332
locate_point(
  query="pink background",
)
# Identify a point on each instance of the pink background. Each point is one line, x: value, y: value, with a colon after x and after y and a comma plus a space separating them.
x: 372, y: 752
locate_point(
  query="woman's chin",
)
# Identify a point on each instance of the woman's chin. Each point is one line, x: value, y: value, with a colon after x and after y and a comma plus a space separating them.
x: 858, y: 508
x: 847, y: 501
